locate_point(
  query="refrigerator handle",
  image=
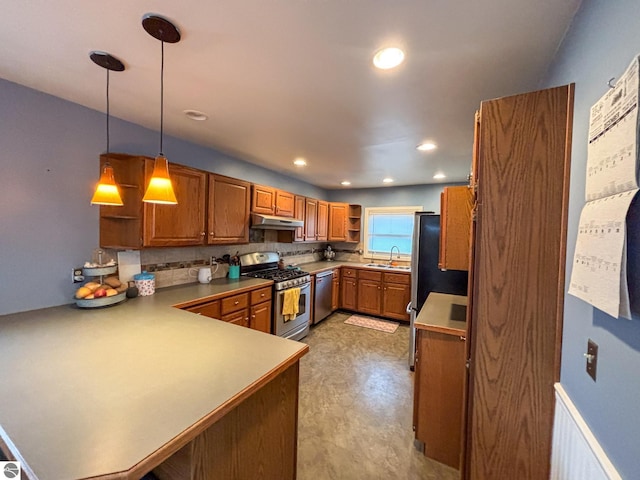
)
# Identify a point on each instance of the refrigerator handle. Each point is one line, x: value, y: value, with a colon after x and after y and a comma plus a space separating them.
x: 409, y: 308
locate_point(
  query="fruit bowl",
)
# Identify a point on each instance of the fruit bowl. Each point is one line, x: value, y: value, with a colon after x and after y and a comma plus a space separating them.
x: 102, y: 301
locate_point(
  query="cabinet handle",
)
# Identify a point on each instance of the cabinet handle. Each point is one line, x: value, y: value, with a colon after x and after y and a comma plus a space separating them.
x: 463, y: 338
x: 202, y: 234
x: 211, y: 233
x: 262, y: 295
x: 253, y: 316
x: 236, y: 302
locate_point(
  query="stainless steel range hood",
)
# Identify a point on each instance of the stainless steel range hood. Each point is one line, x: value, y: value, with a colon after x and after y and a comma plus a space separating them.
x: 272, y: 222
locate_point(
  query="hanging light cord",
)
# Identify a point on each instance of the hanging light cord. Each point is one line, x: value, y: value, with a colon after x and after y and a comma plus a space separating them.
x: 107, y: 113
x: 161, y: 95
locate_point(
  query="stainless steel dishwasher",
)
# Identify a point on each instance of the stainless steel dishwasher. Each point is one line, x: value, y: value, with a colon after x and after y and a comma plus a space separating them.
x: 322, y: 298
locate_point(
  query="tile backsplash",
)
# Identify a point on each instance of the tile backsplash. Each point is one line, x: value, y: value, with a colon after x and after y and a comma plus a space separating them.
x: 177, y: 266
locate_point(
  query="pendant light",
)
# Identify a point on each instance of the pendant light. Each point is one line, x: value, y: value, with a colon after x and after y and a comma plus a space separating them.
x: 107, y: 190
x: 160, y: 189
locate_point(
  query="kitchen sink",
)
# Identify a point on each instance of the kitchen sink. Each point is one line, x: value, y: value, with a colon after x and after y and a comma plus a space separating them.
x: 387, y: 266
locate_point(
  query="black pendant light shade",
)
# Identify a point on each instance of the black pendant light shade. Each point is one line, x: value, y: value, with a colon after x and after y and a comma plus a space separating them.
x: 107, y: 192
x: 160, y: 188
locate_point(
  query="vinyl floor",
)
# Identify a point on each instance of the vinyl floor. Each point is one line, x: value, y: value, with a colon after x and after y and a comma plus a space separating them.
x: 356, y: 407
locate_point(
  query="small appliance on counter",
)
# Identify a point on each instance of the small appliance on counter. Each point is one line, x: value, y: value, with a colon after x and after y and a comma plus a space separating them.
x: 329, y: 254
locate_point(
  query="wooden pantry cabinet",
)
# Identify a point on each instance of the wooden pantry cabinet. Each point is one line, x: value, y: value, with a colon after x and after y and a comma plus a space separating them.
x: 514, y: 316
x: 211, y: 208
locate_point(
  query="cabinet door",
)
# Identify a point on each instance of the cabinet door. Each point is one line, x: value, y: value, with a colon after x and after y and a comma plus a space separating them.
x: 181, y: 224
x: 338, y: 222
x: 395, y: 298
x: 311, y: 211
x: 335, y: 294
x: 322, y: 221
x: 261, y: 317
x: 456, y: 204
x: 298, y: 213
x: 349, y: 293
x: 211, y: 309
x: 439, y: 379
x: 228, y: 218
x: 263, y: 199
x: 284, y: 204
x: 241, y: 317
x: 369, y: 297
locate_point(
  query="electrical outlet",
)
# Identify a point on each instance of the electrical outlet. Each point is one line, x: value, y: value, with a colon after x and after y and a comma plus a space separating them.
x: 76, y: 275
x: 592, y: 358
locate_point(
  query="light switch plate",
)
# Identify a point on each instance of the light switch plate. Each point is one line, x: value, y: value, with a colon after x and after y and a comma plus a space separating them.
x: 592, y: 358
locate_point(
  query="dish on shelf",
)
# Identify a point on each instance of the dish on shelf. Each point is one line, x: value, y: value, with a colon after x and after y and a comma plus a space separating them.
x: 102, y: 301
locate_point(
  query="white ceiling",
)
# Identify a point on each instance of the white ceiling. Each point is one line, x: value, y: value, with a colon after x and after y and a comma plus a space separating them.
x: 282, y: 79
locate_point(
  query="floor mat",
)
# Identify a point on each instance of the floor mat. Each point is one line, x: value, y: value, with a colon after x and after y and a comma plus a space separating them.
x: 374, y: 323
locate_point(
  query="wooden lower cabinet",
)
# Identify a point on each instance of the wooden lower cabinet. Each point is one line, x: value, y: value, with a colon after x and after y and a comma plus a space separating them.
x: 369, y: 292
x: 250, y: 309
x: 256, y: 439
x: 396, y: 295
x: 438, y: 394
x: 349, y: 290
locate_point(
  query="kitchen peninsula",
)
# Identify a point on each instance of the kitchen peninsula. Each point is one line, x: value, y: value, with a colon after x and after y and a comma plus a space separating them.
x: 117, y: 392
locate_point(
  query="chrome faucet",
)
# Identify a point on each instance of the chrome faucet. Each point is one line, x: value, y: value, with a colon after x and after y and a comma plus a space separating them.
x: 391, y: 254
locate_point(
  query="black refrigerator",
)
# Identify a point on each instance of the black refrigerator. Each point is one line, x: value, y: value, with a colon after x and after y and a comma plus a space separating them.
x: 426, y: 277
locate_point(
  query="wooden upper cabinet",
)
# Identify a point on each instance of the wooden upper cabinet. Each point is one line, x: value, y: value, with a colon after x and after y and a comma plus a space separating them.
x: 322, y: 227
x: 228, y: 217
x: 310, y: 219
x: 271, y: 201
x: 299, y: 203
x: 455, y: 224
x: 338, y: 222
x: 263, y: 199
x: 182, y: 224
x: 285, y: 204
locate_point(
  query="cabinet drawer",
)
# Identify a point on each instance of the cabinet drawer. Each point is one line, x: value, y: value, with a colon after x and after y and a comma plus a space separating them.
x: 234, y: 303
x: 211, y: 309
x: 370, y: 275
x: 237, y: 318
x: 260, y: 295
x: 349, y: 272
x: 403, y: 278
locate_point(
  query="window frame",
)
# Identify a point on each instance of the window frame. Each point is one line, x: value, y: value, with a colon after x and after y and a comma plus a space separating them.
x: 403, y: 210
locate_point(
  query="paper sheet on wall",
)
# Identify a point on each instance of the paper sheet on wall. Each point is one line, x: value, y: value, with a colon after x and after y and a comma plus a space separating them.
x: 599, y: 274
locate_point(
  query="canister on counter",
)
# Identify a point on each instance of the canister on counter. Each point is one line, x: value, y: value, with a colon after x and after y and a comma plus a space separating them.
x: 146, y: 283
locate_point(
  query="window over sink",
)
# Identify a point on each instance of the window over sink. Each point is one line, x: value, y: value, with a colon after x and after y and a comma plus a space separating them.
x: 388, y: 227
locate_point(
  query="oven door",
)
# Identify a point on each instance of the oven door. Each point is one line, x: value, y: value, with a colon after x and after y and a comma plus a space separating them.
x: 299, y: 326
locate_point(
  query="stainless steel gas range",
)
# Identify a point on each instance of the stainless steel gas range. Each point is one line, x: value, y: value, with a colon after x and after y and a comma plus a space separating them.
x: 265, y: 265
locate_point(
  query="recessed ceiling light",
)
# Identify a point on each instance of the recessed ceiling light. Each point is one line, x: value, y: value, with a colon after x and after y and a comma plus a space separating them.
x: 427, y: 146
x: 345, y: 183
x: 439, y: 176
x: 196, y: 115
x: 387, y: 180
x: 300, y: 162
x: 388, y: 58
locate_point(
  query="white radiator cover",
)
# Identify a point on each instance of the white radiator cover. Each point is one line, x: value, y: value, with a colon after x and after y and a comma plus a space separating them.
x: 576, y: 453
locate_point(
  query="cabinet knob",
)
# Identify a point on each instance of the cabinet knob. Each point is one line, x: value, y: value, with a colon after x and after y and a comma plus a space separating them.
x: 211, y: 233
x: 236, y: 302
x: 262, y: 295
x: 202, y: 234
x: 463, y: 338
x: 253, y: 316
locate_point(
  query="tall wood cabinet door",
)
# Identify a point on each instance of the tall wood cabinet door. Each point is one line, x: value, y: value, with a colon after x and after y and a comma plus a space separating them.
x: 310, y: 219
x: 228, y: 218
x: 439, y: 379
x: 299, y: 214
x: 455, y: 221
x: 261, y: 317
x: 338, y: 222
x: 518, y: 292
x: 263, y: 199
x: 369, y: 296
x: 349, y: 293
x: 181, y: 224
x: 285, y: 203
x: 322, y: 221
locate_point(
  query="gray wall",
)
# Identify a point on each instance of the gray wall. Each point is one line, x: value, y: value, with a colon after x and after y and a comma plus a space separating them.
x: 600, y: 44
x: 49, y: 162
x: 426, y: 195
